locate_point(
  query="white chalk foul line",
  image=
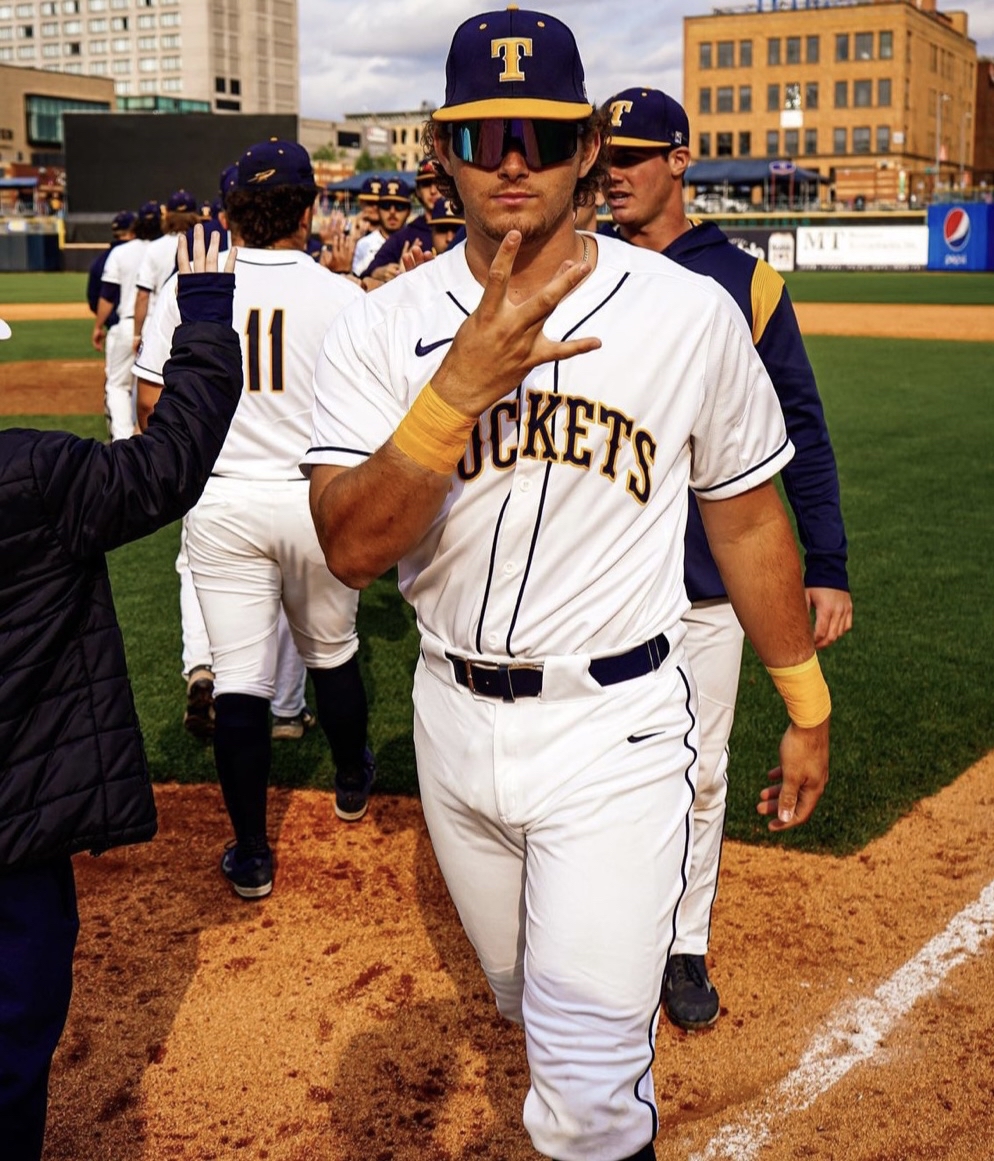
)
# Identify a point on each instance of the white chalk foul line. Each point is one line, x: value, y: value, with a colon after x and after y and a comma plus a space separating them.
x: 856, y: 1031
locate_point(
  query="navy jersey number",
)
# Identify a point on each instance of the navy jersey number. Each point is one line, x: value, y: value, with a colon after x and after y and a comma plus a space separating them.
x: 252, y: 330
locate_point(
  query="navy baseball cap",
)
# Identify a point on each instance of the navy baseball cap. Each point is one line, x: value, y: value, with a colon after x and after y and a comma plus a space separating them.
x: 444, y: 213
x: 228, y: 178
x: 643, y: 118
x: 427, y: 173
x: 395, y: 190
x: 149, y: 212
x: 514, y: 63
x: 125, y: 220
x: 182, y: 202
x: 370, y: 191
x: 274, y: 162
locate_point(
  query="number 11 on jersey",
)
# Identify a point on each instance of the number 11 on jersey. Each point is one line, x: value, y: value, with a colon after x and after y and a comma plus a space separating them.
x: 253, y: 332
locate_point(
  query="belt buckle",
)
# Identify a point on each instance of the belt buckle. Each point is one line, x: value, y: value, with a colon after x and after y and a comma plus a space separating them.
x: 497, y: 667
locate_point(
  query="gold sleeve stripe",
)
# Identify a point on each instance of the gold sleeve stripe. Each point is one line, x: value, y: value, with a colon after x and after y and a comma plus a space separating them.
x: 765, y: 292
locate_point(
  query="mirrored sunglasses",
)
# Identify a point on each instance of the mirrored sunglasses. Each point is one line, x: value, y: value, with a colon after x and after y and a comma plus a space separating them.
x: 485, y: 142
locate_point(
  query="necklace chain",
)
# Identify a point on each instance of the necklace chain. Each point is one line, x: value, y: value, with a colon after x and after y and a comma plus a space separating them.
x: 586, y: 249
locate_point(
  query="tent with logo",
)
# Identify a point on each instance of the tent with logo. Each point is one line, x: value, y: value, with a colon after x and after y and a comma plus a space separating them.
x: 781, y: 179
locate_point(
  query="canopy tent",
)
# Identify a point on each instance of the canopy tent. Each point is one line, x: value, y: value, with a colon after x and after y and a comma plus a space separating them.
x: 747, y: 171
x: 353, y: 184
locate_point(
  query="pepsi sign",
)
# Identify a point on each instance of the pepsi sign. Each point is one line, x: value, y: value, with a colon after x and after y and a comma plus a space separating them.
x: 961, y: 236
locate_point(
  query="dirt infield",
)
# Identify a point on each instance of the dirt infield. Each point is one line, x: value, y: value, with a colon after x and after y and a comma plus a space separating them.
x: 345, y: 1017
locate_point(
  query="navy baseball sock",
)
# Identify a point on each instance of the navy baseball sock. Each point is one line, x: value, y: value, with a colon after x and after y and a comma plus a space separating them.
x: 343, y: 714
x: 242, y: 754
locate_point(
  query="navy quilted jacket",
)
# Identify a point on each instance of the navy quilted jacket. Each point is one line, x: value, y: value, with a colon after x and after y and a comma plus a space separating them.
x: 73, y: 774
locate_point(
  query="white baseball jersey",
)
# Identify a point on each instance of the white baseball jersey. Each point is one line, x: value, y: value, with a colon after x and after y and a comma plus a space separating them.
x: 366, y: 250
x: 284, y: 303
x: 158, y: 265
x: 565, y: 522
x: 121, y: 269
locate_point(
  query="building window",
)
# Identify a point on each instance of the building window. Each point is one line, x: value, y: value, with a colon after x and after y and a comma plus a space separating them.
x: 220, y: 85
x: 97, y: 68
x: 26, y: 52
x: 121, y: 44
x: 98, y: 25
x: 861, y: 140
x: 70, y: 7
x: 883, y: 93
x: 172, y: 85
x: 862, y: 94
x: 120, y: 66
x: 170, y: 40
x: 704, y: 56
x: 148, y: 64
x: 171, y: 64
x: 792, y: 95
x: 72, y: 48
x: 72, y: 27
x: 883, y: 139
x: 842, y: 46
x: 745, y: 98
x: 791, y: 142
x: 810, y: 141
x: 97, y: 6
x: 6, y: 53
x: 119, y: 23
x: 886, y: 47
x: 49, y: 50
x: 236, y: 89
x: 933, y: 58
x: 773, y: 98
x: 745, y: 54
x: 704, y: 145
x: 864, y: 46
x: 726, y: 99
x: 49, y: 28
x: 47, y: 8
x: 25, y: 32
x: 811, y: 95
x: 838, y: 140
x: 793, y: 50
x: 772, y: 142
x: 146, y: 20
x: 724, y: 145
x: 773, y: 51
x: 146, y: 43
x: 98, y: 47
x: 704, y: 101
x: 169, y: 20
x: 24, y: 10
x: 726, y: 54
x: 811, y: 46
x: 44, y: 117
x: 841, y: 94
x: 745, y: 144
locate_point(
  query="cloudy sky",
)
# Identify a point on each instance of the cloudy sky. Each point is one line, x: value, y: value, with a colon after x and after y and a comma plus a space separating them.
x: 382, y: 55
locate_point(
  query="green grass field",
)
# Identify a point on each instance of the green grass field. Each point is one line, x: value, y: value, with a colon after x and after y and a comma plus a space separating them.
x: 57, y: 339
x: 38, y: 286
x: 914, y: 286
x: 913, y: 425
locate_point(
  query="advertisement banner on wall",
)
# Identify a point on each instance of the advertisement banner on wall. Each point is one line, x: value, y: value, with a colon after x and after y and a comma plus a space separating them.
x: 862, y: 247
x: 961, y: 237
x: 776, y: 246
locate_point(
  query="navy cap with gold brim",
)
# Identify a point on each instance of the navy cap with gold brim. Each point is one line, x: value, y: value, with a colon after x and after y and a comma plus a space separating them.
x: 644, y: 118
x: 514, y: 63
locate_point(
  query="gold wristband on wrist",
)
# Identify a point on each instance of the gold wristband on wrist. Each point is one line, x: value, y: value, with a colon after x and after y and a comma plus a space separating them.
x: 433, y: 433
x: 804, y: 691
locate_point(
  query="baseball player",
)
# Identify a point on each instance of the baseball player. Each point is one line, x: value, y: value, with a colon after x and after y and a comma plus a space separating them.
x: 394, y: 205
x: 117, y: 296
x: 367, y: 220
x: 516, y: 423
x: 649, y: 155
x: 182, y: 214
x: 251, y: 543
x: 417, y: 231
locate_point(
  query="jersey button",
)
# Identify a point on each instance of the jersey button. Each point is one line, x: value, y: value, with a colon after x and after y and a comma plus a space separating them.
x: 509, y: 568
x: 492, y: 639
x: 526, y: 485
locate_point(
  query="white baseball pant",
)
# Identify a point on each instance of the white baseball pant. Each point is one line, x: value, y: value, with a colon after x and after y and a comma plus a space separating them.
x: 252, y: 547
x: 714, y: 648
x: 562, y: 827
x: 119, y: 385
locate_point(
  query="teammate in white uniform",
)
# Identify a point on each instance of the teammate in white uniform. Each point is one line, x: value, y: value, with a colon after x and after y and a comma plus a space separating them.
x: 159, y: 261
x: 530, y: 480
x: 117, y: 291
x: 394, y: 205
x: 250, y: 540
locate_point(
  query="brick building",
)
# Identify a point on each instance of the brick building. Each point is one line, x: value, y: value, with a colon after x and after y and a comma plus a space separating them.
x: 874, y: 94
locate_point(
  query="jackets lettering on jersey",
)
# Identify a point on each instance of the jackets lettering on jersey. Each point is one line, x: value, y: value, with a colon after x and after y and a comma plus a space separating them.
x: 561, y: 429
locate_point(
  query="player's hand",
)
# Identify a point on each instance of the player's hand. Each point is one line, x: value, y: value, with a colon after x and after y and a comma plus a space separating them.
x: 204, y: 259
x: 833, y: 614
x: 98, y: 338
x: 414, y: 256
x: 338, y: 249
x: 500, y: 342
x: 798, y: 782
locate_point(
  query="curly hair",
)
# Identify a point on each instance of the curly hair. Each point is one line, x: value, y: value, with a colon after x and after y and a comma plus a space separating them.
x: 148, y: 229
x: 262, y: 217
x: 587, y: 187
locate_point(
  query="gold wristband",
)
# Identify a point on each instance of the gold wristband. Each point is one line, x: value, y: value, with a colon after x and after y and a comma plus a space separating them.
x: 433, y: 433
x: 804, y: 691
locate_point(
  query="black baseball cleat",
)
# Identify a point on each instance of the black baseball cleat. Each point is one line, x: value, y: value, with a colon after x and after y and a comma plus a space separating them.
x: 690, y: 1000
x: 352, y: 794
x: 249, y: 868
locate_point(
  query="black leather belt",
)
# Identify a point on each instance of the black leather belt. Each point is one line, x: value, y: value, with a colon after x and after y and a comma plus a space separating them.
x: 520, y: 679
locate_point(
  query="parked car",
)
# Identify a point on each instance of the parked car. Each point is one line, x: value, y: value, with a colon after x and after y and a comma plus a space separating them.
x: 716, y: 203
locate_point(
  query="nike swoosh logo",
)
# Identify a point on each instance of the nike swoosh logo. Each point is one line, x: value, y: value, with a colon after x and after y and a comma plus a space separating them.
x: 420, y: 349
x: 633, y: 738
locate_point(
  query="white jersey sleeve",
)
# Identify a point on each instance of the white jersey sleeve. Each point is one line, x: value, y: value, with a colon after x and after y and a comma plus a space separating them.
x: 366, y: 250
x: 157, y: 337
x: 739, y: 439
x: 112, y: 272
